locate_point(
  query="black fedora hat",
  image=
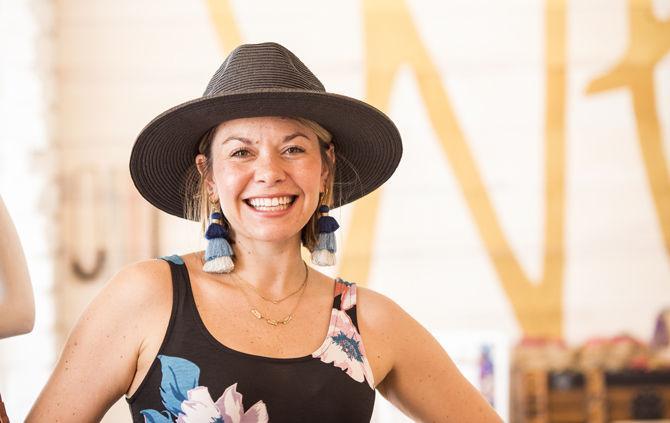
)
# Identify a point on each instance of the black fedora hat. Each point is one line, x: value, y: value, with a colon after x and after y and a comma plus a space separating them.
x: 264, y: 80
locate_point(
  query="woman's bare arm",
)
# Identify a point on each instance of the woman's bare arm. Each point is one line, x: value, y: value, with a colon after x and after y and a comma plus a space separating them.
x: 423, y: 381
x: 99, y: 360
x: 17, y: 306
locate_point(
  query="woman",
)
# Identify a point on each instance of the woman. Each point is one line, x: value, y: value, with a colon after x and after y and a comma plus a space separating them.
x: 246, y: 331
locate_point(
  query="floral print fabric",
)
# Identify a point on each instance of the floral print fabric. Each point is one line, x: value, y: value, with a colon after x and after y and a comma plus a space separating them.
x: 343, y: 346
x: 186, y: 402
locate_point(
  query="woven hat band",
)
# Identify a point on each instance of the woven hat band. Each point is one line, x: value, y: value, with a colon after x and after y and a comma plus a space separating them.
x: 269, y: 67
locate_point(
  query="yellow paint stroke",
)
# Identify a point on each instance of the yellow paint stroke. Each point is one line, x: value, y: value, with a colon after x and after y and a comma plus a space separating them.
x: 648, y: 43
x: 356, y: 258
x: 391, y: 41
x: 224, y: 22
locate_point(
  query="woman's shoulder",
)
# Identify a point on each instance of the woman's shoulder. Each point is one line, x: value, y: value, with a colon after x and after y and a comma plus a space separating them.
x: 382, y: 317
x: 375, y: 307
x: 138, y: 285
x: 379, y: 320
x: 142, y: 275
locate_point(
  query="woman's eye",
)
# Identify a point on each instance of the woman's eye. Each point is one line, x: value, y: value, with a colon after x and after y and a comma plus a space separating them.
x: 294, y: 149
x: 240, y: 153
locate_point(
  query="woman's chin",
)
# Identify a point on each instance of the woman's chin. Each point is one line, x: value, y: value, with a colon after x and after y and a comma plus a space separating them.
x: 272, y: 237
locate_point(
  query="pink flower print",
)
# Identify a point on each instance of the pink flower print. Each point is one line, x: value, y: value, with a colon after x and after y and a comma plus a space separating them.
x: 199, y: 408
x: 232, y: 410
x: 348, y: 292
x: 344, y: 348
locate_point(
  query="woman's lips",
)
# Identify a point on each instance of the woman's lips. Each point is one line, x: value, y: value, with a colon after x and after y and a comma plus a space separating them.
x: 271, y: 211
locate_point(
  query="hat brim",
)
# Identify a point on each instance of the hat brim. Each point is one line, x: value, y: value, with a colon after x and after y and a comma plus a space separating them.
x: 164, y: 153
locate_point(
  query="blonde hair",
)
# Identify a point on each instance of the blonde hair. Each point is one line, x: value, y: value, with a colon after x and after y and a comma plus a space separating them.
x: 197, y: 204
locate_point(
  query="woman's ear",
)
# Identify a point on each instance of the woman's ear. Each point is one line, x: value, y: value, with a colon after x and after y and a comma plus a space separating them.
x: 330, y: 152
x: 201, y: 163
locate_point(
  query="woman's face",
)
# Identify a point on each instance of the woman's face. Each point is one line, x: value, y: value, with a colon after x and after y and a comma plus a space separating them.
x: 267, y: 173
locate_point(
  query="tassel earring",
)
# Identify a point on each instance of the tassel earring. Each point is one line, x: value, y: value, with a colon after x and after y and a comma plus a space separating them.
x: 324, y: 253
x: 218, y: 255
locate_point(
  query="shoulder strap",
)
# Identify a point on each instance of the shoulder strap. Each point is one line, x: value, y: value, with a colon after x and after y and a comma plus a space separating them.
x: 173, y: 333
x: 345, y: 299
x: 177, y: 269
x: 182, y: 298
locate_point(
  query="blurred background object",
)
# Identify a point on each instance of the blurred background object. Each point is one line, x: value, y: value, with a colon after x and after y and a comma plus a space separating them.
x: 532, y: 204
x: 29, y: 188
x: 17, y: 303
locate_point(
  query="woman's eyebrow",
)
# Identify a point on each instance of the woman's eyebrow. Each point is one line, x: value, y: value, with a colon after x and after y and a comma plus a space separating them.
x: 235, y: 137
x: 248, y: 141
x: 294, y: 135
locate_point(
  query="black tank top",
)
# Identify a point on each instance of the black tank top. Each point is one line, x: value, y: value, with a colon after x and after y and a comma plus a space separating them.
x: 195, y: 378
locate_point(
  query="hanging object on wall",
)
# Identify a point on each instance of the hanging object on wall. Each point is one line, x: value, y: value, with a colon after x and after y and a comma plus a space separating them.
x: 86, y: 207
x: 88, y: 274
x: 139, y: 221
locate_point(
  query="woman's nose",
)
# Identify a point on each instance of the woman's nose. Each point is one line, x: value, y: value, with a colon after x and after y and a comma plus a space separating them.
x: 269, y: 169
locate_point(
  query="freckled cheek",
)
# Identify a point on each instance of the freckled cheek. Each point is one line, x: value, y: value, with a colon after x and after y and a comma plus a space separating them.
x: 310, y: 182
x: 229, y: 184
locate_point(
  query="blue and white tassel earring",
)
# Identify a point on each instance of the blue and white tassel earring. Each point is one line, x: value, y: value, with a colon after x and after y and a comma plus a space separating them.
x: 219, y: 254
x: 324, y: 253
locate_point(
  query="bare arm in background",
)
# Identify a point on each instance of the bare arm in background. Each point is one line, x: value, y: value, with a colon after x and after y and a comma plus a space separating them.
x: 17, y: 306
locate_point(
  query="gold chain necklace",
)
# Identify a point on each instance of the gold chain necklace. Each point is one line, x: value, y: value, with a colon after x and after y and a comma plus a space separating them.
x: 257, y: 314
x: 270, y: 300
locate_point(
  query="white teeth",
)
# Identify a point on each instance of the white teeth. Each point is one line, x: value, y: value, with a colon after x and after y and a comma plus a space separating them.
x: 272, y: 208
x: 263, y: 203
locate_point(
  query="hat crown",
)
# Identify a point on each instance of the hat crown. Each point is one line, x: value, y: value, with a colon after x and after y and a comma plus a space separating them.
x: 262, y: 66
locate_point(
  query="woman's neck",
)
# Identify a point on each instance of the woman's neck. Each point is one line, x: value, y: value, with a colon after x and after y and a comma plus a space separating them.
x: 273, y: 268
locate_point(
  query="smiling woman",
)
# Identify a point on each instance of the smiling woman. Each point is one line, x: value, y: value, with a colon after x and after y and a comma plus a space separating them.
x: 272, y: 176
x: 198, y: 187
x: 246, y: 331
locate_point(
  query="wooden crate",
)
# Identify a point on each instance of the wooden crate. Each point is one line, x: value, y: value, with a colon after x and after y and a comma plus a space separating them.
x: 592, y: 397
